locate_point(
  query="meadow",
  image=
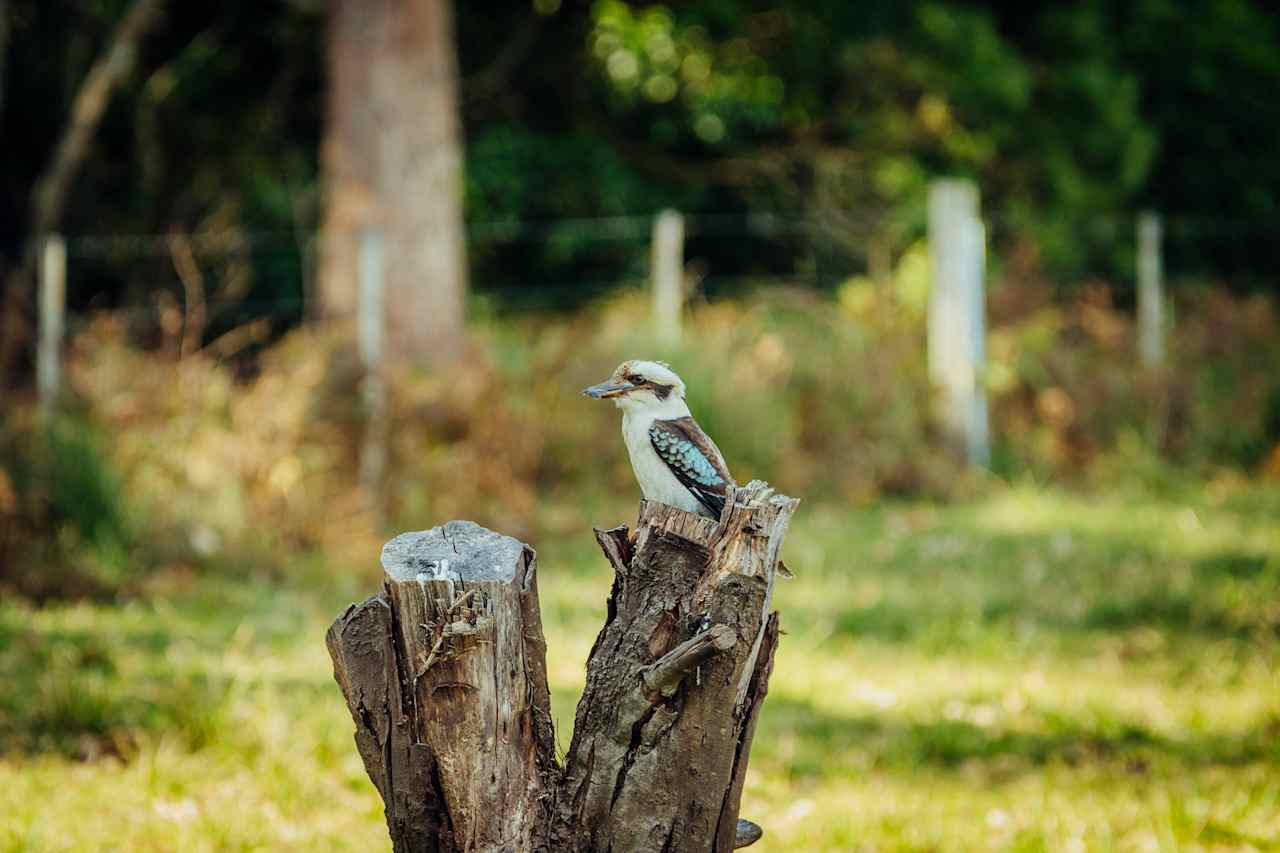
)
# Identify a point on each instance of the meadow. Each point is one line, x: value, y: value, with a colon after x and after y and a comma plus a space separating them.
x: 1079, y: 650
x: 1032, y: 669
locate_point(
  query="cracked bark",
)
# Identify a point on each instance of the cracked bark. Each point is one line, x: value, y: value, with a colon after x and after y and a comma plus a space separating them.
x: 444, y: 673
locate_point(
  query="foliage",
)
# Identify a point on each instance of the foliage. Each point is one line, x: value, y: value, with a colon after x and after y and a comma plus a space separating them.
x: 1067, y: 399
x: 60, y: 495
x: 1069, y: 115
x: 174, y: 461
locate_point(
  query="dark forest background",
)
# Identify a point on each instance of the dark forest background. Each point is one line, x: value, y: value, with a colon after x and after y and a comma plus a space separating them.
x: 829, y: 114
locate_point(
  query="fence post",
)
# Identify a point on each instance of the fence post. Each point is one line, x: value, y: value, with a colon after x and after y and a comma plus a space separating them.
x: 53, y: 303
x: 667, y: 272
x: 1150, y: 290
x: 371, y: 329
x: 957, y: 311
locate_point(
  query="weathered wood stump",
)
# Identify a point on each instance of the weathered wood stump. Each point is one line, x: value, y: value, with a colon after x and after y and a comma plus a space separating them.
x: 444, y: 673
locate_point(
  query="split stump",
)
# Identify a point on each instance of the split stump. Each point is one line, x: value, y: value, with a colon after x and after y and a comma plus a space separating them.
x: 444, y: 672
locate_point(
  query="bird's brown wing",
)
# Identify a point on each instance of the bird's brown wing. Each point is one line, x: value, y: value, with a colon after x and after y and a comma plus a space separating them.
x: 694, y: 459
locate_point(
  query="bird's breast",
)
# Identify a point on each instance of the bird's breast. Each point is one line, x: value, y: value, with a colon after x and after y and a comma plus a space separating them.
x: 657, y: 482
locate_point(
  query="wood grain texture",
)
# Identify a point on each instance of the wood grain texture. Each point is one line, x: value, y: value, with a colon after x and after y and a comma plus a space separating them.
x: 663, y: 772
x: 445, y: 677
x: 444, y: 673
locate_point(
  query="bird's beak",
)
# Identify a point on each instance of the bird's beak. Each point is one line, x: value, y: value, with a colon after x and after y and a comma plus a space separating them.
x: 607, y: 389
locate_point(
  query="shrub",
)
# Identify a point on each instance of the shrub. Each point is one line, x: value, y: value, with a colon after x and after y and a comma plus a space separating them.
x: 185, y: 461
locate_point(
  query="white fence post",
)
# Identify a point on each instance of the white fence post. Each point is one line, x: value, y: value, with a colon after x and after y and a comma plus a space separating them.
x: 53, y: 303
x: 667, y: 272
x: 371, y: 324
x: 957, y: 316
x: 1150, y: 291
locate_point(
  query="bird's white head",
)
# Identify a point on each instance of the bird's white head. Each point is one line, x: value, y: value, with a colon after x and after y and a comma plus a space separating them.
x: 643, y: 386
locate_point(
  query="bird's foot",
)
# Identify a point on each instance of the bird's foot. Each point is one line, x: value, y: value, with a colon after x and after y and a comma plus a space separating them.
x: 748, y: 833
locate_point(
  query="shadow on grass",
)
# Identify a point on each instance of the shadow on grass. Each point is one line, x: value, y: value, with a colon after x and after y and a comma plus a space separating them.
x: 887, y: 741
x: 1172, y: 613
x: 87, y: 694
x: 1237, y: 565
x: 958, y: 586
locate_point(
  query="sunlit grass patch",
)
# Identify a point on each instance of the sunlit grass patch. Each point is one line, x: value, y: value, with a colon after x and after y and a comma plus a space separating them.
x: 1030, y: 671
x: 85, y: 680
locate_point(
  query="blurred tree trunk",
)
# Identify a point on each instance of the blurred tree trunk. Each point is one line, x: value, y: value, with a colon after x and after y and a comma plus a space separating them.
x: 392, y: 160
x: 49, y: 197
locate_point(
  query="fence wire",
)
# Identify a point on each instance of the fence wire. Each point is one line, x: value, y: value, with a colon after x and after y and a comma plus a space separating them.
x: 555, y: 263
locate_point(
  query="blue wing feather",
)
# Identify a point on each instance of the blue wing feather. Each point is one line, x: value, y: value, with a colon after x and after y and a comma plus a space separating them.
x: 693, y: 459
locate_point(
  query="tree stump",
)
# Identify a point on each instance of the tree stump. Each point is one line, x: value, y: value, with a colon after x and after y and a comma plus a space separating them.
x: 445, y: 677
x: 444, y: 673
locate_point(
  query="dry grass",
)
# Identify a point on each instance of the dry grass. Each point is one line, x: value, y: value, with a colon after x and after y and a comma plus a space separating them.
x: 829, y: 399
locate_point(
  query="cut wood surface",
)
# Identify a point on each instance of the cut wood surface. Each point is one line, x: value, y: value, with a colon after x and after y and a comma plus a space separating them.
x: 445, y: 677
x: 444, y: 673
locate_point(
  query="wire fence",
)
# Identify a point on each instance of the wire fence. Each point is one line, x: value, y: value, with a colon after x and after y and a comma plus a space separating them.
x: 272, y: 272
x: 235, y: 279
x: 557, y: 263
x: 270, y: 275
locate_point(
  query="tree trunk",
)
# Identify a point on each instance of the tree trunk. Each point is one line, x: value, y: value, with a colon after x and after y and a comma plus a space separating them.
x: 392, y: 160
x: 445, y: 677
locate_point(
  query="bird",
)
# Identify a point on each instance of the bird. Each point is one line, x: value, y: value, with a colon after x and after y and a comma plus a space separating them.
x: 675, y: 462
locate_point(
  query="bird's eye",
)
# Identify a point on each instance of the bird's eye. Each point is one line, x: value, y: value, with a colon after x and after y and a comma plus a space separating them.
x: 635, y: 379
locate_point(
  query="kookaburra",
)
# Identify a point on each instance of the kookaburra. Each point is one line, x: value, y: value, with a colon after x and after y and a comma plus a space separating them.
x: 676, y: 463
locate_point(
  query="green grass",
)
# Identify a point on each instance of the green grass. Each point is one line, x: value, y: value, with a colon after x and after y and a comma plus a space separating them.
x: 1030, y: 671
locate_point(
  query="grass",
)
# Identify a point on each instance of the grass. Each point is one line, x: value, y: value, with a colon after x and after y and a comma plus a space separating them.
x: 1033, y: 670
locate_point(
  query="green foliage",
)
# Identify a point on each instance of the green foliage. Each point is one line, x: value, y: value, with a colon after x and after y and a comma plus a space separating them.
x: 83, y: 490
x: 1070, y: 115
x: 531, y: 248
x: 1047, y: 118
x: 69, y: 526
x: 726, y: 90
